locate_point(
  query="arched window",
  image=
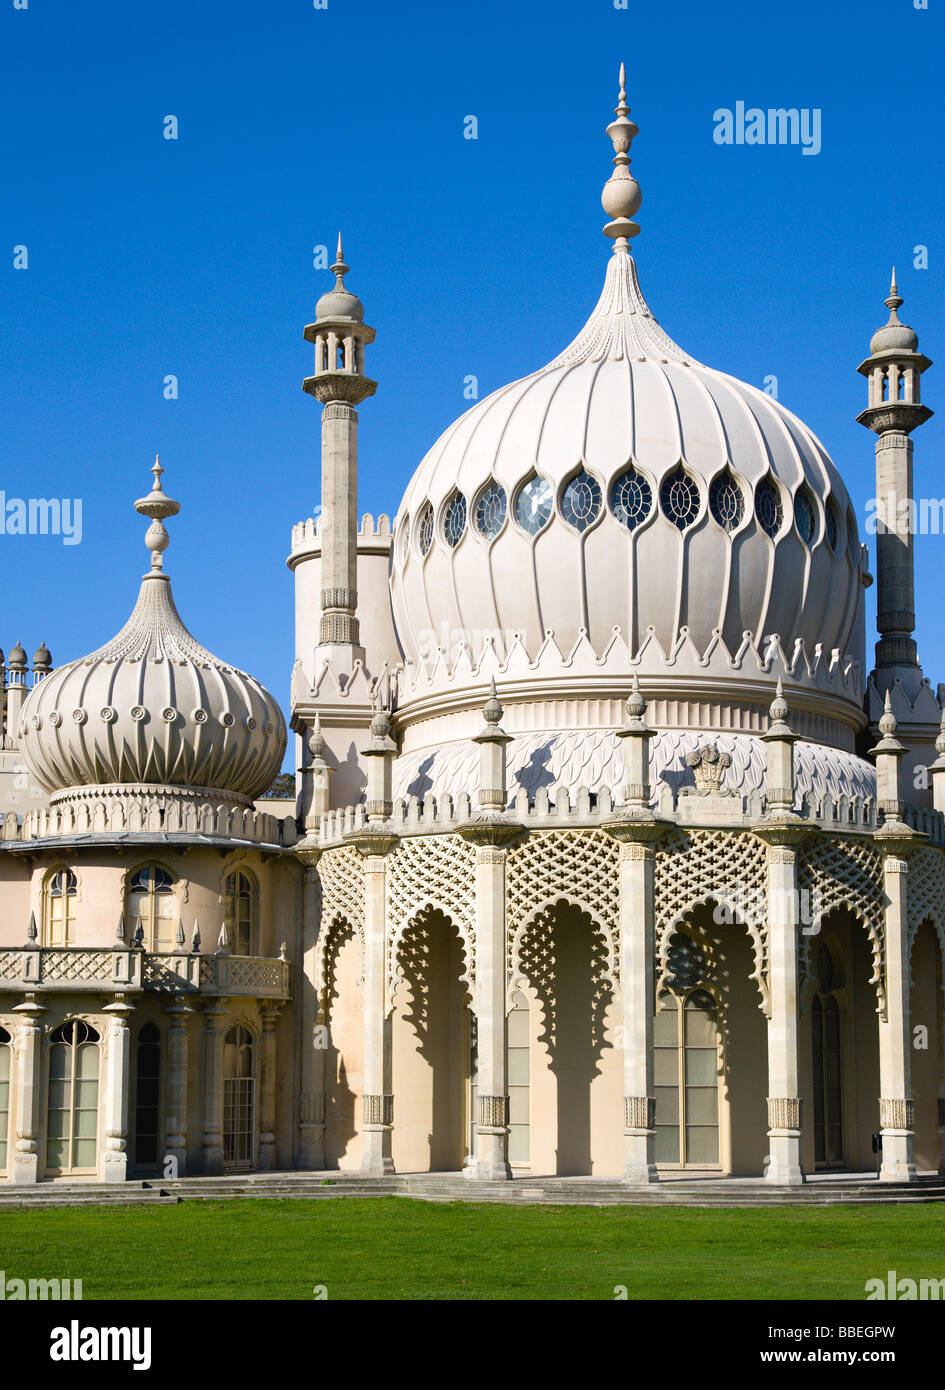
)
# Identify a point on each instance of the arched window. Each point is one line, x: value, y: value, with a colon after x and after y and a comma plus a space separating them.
x: 581, y: 501
x: 454, y: 520
x: 59, y: 899
x: 631, y: 499
x: 239, y: 1098
x: 5, y: 1055
x: 72, y: 1100
x: 147, y: 1095
x: 828, y: 1065
x: 239, y: 899
x: 679, y: 498
x: 534, y: 503
x: 153, y: 906
x: 491, y: 510
x: 686, y: 1062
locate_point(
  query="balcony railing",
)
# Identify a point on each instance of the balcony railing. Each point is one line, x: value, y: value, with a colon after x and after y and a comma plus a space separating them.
x: 123, y: 971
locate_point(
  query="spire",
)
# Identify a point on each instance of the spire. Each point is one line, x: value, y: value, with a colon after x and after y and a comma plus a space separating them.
x: 892, y: 303
x: 157, y: 505
x: 339, y: 269
x: 621, y: 197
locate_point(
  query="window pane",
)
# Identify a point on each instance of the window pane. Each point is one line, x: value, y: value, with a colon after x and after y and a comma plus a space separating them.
x: 666, y: 1144
x: 701, y: 1066
x: 518, y: 1105
x: 666, y: 1066
x: 667, y: 1105
x: 86, y: 1124
x: 702, y: 1105
x: 518, y: 1066
x: 84, y: 1155
x: 86, y: 1062
x: 702, y: 1144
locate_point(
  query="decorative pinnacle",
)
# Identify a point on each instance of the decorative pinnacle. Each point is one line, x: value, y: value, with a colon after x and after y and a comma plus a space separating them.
x: 940, y: 741
x: 636, y: 703
x: 339, y: 269
x: 621, y: 197
x: 779, y: 708
x: 887, y: 722
x: 157, y: 505
x: 895, y: 299
x: 492, y: 710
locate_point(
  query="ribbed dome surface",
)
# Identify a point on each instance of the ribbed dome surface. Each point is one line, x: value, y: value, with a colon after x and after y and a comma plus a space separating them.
x: 153, y: 706
x: 742, y: 522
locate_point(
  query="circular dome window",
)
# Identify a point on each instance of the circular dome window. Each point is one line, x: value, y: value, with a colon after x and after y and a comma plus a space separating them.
x: 425, y: 529
x: 768, y: 508
x: 804, y: 517
x: 631, y: 499
x: 580, y: 505
x: 726, y: 501
x: 679, y: 498
x: 533, y: 505
x: 491, y: 510
x: 454, y: 520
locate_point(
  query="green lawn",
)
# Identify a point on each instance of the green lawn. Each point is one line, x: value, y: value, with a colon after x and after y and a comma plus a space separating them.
x: 395, y: 1248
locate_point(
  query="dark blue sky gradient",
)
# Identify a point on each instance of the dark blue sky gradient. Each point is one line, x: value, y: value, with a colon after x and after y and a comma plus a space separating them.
x: 194, y: 257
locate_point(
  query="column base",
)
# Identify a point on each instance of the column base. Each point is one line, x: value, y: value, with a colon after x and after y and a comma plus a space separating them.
x: 377, y: 1166
x: 115, y: 1167
x: 310, y: 1163
x: 376, y: 1161
x: 174, y: 1163
x: 491, y: 1162
x: 783, y: 1166
x: 639, y: 1168
x: 898, y: 1164
x: 25, y: 1169
x: 212, y: 1161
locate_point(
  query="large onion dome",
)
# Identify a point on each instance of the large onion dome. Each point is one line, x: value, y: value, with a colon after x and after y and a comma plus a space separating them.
x: 626, y: 487
x: 153, y: 706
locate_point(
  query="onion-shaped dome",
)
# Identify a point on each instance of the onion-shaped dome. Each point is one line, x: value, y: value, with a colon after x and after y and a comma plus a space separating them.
x: 153, y: 705
x: 42, y: 658
x: 17, y: 656
x: 340, y: 303
x: 626, y: 486
x: 894, y: 336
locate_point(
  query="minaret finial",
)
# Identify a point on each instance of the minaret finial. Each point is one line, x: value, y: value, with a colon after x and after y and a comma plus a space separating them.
x: 621, y: 197
x: 157, y: 505
x: 339, y: 269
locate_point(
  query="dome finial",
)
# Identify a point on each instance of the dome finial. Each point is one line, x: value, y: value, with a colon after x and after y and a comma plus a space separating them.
x: 157, y: 505
x: 894, y: 300
x: 621, y: 197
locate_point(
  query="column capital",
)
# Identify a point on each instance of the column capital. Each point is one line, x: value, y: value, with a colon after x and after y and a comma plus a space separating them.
x: 373, y: 842
x: 896, y: 1115
x: 639, y: 1114
x: 897, y: 841
x: 782, y: 830
x: 378, y: 1111
x: 638, y: 827
x: 492, y: 829
x: 784, y: 1114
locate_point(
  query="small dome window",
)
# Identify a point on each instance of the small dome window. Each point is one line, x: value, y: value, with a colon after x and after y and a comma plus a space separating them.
x: 804, y: 516
x: 726, y: 501
x: 631, y: 499
x: 831, y: 525
x: 454, y: 520
x: 491, y: 511
x: 679, y: 498
x: 425, y: 529
x: 534, y: 504
x: 580, y: 505
x: 768, y: 507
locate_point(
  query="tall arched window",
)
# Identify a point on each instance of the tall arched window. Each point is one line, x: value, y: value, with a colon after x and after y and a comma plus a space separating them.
x: 59, y: 899
x: 72, y: 1102
x: 147, y: 1095
x: 239, y: 1098
x: 153, y: 906
x: 828, y: 1065
x: 5, y: 1055
x: 686, y: 1062
x: 240, y: 899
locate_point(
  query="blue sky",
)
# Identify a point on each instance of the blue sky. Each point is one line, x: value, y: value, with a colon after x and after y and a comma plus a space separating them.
x: 193, y: 257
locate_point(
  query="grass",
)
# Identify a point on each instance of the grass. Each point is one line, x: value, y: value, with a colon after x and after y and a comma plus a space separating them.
x: 397, y: 1248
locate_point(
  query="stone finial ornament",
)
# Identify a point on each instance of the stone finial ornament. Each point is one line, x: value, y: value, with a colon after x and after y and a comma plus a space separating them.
x: 621, y: 197
x: 888, y: 723
x: 195, y: 940
x: 636, y: 702
x: 31, y: 932
x: 120, y: 929
x: 492, y: 709
x: 157, y: 505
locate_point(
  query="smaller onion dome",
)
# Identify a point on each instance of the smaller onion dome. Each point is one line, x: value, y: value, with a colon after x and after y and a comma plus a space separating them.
x: 17, y: 656
x: 340, y: 303
x: 42, y: 659
x: 894, y: 336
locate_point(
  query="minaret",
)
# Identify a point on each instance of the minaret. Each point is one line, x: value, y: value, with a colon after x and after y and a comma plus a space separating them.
x: 340, y: 336
x: 893, y: 369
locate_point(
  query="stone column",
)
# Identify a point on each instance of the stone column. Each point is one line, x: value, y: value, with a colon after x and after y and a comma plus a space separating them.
x: 311, y: 1146
x: 492, y: 831
x: 214, y: 1023
x: 29, y: 1091
x: 784, y: 1103
x: 896, y: 840
x: 117, y: 1086
x: 637, y: 830
x: 896, y: 1106
x: 782, y: 830
x: 268, y: 1074
x: 178, y: 1013
x: 374, y: 842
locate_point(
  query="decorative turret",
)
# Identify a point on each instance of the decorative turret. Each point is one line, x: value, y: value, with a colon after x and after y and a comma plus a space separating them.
x: 893, y: 369
x: 340, y: 336
x: 937, y: 770
x: 380, y: 754
x: 16, y: 687
x: 887, y: 753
